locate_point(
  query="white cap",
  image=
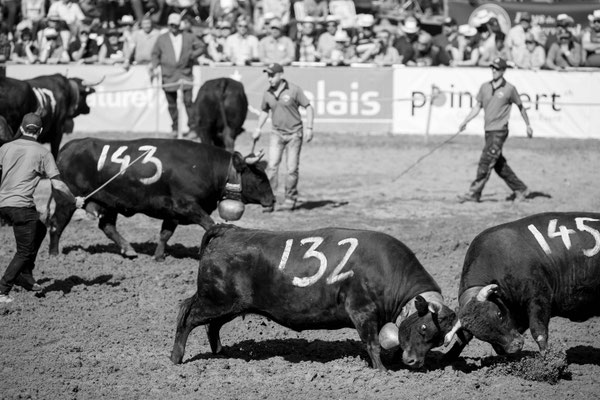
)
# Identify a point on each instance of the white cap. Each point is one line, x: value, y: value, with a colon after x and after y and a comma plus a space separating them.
x: 481, y: 17
x: 594, y: 16
x: 365, y: 20
x: 467, y: 30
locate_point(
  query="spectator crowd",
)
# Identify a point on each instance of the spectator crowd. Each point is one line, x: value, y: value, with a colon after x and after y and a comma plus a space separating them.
x: 245, y: 32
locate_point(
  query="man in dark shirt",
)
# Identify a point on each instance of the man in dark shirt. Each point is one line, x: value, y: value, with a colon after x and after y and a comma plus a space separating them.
x: 23, y: 162
x: 84, y: 50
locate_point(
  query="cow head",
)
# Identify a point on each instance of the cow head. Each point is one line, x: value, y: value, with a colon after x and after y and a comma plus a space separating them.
x: 256, y: 188
x: 423, y: 330
x: 80, y: 89
x: 487, y: 318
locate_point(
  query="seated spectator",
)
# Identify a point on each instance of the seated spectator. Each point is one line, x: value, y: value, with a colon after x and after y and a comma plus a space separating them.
x: 343, y: 53
x: 448, y: 38
x: 84, y: 50
x: 53, y: 51
x: 487, y: 57
x: 216, y: 46
x: 317, y: 9
x: 6, y: 46
x: 563, y: 23
x: 113, y: 51
x: 326, y: 42
x: 34, y: 12
x: 242, y: 48
x: 307, y: 43
x: 383, y: 53
x: 409, y: 33
x: 515, y: 40
x: 142, y: 41
x: 468, y: 47
x: 566, y: 53
x: 591, y: 41
x: 26, y: 50
x: 126, y: 28
x: 69, y: 13
x: 532, y: 56
x: 364, y: 39
x: 276, y: 48
x: 427, y: 54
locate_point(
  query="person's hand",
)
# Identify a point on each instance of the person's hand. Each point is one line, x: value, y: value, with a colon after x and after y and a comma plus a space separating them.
x: 308, y: 133
x: 462, y: 126
x: 529, y: 131
x: 79, y: 201
x: 256, y: 134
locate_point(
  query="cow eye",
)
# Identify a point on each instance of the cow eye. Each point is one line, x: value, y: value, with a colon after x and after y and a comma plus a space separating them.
x: 499, y: 314
x: 423, y: 327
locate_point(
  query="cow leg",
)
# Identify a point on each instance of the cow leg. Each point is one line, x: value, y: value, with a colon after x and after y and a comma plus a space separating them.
x: 212, y: 331
x: 186, y: 322
x: 108, y: 224
x: 364, y: 317
x: 57, y: 223
x: 166, y: 231
x: 228, y: 139
x: 539, y: 318
x: 200, y: 217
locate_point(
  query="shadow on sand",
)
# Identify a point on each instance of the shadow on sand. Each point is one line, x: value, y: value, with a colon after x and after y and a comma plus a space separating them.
x: 177, y: 250
x: 66, y: 285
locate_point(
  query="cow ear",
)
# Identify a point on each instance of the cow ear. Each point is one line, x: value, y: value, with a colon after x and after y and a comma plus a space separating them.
x: 435, y: 307
x: 74, y: 89
x: 238, y: 161
x: 421, y: 305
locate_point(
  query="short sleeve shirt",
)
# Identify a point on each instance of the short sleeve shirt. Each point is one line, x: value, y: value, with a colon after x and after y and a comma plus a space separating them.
x: 283, y: 103
x: 496, y: 104
x: 24, y: 162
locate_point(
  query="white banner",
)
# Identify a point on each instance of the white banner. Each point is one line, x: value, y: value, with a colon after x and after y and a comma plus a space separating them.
x: 559, y: 104
x: 375, y: 100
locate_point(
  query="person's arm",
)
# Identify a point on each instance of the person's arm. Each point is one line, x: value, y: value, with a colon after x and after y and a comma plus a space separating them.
x: 587, y: 44
x: 291, y: 52
x: 539, y: 57
x: 526, y: 119
x: 472, y: 114
x: 551, y: 56
x: 262, y: 118
x: 310, y: 116
x: 59, y: 185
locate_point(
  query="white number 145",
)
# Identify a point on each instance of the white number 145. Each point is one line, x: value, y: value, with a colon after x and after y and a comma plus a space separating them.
x: 564, y: 233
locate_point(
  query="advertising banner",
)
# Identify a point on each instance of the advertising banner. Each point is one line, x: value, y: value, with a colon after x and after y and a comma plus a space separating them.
x: 559, y: 104
x: 356, y: 100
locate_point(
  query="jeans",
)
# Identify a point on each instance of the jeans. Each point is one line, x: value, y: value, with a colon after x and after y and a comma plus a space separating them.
x: 293, y: 144
x: 29, y: 233
x: 174, y: 112
x: 492, y: 159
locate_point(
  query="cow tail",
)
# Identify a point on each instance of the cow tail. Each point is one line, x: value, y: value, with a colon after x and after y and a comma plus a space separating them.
x: 184, y: 310
x: 213, y: 232
x: 221, y: 104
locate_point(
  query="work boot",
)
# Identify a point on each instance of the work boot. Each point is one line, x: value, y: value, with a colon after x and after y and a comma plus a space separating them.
x: 268, y: 209
x: 463, y: 198
x: 288, y: 205
x: 27, y: 283
x: 521, y: 195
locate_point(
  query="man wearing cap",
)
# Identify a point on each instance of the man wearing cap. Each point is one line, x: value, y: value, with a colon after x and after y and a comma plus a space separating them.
x: 447, y: 40
x: 496, y: 98
x: 283, y: 100
x: 276, y: 47
x: 175, y: 51
x: 326, y: 42
x: 242, y: 48
x: 23, y: 162
x: 564, y: 53
x: 590, y: 41
x: 84, y: 50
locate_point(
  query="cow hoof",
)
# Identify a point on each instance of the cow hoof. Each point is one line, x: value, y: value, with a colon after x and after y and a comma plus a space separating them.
x: 159, y: 258
x: 129, y: 254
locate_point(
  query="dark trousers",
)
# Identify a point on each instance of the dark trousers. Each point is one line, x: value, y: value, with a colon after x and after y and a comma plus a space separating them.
x: 492, y: 159
x: 189, y: 108
x: 29, y: 233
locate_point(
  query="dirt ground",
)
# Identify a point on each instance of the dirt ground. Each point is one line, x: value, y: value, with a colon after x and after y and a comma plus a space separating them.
x: 103, y: 326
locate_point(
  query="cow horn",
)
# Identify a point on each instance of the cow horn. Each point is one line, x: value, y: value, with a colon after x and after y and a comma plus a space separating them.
x: 253, y: 159
x: 435, y: 307
x: 450, y: 335
x: 485, y: 292
x: 388, y: 336
x: 88, y: 83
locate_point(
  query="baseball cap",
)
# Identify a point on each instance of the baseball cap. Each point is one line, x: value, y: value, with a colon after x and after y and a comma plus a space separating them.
x: 273, y: 68
x: 174, y: 19
x: 31, y: 123
x: 499, y: 63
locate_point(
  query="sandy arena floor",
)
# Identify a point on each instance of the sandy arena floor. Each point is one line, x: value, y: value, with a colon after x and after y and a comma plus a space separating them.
x: 104, y: 325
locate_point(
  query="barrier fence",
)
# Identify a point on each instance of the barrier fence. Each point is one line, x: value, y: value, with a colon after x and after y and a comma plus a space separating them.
x: 379, y: 100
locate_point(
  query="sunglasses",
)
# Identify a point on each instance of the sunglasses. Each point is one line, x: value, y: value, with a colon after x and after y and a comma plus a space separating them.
x: 596, y: 21
x: 174, y: 25
x: 242, y: 26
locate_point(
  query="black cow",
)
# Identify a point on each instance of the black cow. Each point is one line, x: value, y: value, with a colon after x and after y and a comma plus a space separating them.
x: 329, y: 278
x: 55, y: 98
x: 221, y: 108
x: 177, y: 181
x: 520, y: 274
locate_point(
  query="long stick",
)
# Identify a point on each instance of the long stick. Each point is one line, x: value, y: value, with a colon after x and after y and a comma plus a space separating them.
x: 425, y: 156
x: 117, y: 174
x: 253, y: 145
